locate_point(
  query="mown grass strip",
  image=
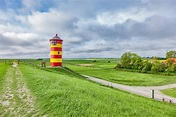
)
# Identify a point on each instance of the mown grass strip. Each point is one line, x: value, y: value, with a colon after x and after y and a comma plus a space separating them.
x: 65, y: 95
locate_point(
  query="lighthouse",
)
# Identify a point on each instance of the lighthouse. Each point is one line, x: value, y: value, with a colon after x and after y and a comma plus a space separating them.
x: 55, y: 51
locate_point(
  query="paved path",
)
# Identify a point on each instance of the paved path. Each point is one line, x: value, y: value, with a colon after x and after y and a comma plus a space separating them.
x: 139, y: 90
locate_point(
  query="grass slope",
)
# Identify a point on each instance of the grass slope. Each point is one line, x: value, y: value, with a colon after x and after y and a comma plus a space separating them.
x: 63, y: 94
x: 124, y: 77
x: 170, y: 92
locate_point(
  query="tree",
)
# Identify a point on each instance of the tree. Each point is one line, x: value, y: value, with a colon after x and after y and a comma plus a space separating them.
x: 158, y: 67
x: 155, y: 67
x: 162, y: 67
x: 130, y: 60
x: 118, y: 65
x: 171, y: 54
x: 172, y: 68
x: 170, y: 61
x: 147, y: 65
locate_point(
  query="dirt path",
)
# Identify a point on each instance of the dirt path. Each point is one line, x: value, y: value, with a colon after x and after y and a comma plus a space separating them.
x: 143, y: 91
x: 16, y: 100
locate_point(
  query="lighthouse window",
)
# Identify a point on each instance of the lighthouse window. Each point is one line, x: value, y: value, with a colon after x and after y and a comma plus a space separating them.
x: 54, y: 42
x: 58, y: 52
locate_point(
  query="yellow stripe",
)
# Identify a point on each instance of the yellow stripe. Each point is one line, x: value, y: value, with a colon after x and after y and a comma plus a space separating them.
x: 57, y: 45
x: 55, y: 60
x: 55, y: 52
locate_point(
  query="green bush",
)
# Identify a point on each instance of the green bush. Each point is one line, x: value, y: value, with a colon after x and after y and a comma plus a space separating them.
x: 134, y: 62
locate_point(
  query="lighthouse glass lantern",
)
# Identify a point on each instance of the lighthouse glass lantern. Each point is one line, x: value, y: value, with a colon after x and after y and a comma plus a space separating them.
x: 55, y: 51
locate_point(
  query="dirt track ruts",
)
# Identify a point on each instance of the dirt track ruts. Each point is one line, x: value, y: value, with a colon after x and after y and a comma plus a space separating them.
x: 16, y: 99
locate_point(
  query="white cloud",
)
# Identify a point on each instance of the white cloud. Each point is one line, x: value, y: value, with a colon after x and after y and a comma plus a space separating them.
x: 31, y: 3
x: 20, y: 36
x: 88, y: 28
x: 112, y: 18
x: 49, y: 22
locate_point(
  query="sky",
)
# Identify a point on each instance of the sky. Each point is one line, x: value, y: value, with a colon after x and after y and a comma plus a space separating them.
x: 89, y: 28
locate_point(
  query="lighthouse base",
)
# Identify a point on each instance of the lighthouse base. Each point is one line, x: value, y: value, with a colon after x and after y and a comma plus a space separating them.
x: 55, y: 64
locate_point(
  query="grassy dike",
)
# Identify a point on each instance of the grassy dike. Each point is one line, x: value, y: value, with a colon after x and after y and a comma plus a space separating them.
x: 63, y: 94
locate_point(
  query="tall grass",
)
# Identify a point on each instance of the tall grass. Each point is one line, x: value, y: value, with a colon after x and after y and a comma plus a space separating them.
x: 62, y: 94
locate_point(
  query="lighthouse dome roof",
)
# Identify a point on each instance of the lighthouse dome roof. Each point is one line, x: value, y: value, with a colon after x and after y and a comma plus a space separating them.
x: 56, y: 37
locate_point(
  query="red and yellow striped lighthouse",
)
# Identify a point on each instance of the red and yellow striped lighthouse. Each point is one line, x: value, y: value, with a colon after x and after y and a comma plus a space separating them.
x: 55, y: 51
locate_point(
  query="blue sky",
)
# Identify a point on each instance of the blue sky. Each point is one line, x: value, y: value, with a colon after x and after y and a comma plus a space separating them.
x: 89, y: 28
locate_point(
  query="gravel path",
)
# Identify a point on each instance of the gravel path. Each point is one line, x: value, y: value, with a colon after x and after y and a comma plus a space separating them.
x: 139, y: 90
x: 16, y: 100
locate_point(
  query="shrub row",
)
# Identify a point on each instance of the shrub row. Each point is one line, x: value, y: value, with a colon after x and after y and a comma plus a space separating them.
x: 135, y: 62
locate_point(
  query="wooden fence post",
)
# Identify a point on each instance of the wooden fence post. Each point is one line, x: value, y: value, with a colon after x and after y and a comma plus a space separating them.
x: 152, y: 94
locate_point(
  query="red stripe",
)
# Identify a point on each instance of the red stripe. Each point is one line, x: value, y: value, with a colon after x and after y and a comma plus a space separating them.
x: 54, y: 64
x: 55, y: 49
x: 55, y: 56
x: 59, y: 42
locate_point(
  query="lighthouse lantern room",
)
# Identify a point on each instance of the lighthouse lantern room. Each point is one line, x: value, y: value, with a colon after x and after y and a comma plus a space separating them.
x: 55, y: 51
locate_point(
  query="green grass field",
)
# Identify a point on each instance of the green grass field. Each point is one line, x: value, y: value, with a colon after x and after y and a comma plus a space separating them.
x: 171, y: 92
x: 98, y: 63
x: 104, y: 70
x: 64, y: 94
x: 3, y: 69
x: 60, y: 93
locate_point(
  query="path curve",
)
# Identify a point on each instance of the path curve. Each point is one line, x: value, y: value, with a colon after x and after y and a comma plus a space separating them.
x: 139, y: 90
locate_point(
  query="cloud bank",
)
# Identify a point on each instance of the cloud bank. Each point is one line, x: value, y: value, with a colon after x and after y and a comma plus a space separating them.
x: 89, y: 28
